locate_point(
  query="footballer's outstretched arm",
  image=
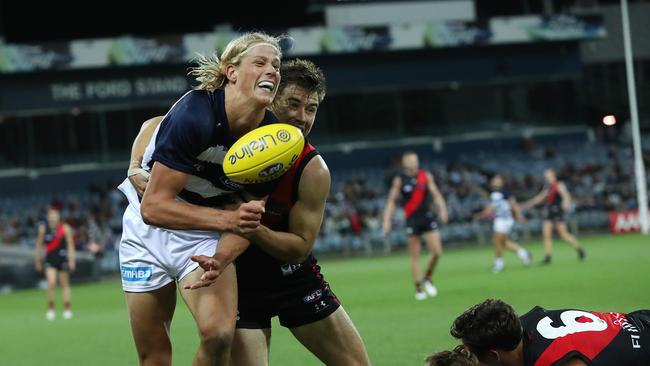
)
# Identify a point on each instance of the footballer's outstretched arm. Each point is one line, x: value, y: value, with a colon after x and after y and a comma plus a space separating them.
x: 539, y: 198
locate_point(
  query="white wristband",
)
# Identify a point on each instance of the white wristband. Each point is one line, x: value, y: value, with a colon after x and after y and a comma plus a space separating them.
x: 136, y: 171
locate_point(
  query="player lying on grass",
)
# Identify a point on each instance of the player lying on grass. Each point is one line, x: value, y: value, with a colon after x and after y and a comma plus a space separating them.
x: 494, y: 333
x: 278, y: 275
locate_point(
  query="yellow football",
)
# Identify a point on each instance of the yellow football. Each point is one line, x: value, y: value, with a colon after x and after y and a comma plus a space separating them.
x: 263, y: 154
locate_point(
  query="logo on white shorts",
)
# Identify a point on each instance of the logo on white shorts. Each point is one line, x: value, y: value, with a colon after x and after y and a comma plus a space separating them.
x: 137, y: 274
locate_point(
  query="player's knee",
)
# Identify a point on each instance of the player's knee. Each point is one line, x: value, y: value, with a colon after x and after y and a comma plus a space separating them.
x: 217, y: 335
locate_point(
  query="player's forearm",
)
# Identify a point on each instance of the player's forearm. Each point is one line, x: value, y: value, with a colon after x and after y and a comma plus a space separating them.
x: 484, y: 213
x: 388, y: 211
x: 518, y: 215
x: 287, y: 247
x: 142, y: 140
x: 530, y: 203
x: 230, y: 247
x: 137, y: 151
x: 38, y: 249
x: 72, y: 254
x: 177, y: 215
x: 539, y: 198
x: 441, y: 204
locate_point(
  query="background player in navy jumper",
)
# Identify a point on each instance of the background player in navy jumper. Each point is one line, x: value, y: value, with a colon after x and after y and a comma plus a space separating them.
x: 557, y: 203
x: 569, y: 337
x: 418, y: 191
x: 182, y: 208
x: 504, y: 209
x: 278, y: 275
x: 56, y: 239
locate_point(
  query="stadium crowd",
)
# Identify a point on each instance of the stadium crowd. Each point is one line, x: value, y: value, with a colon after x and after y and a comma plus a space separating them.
x: 599, y: 176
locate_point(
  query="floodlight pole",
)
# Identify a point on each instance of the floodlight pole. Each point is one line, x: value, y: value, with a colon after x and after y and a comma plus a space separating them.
x: 639, y: 169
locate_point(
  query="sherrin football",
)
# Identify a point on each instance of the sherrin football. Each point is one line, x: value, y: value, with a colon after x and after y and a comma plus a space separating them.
x: 263, y: 154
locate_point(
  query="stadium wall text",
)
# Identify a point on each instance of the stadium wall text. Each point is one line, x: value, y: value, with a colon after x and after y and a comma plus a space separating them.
x: 624, y: 222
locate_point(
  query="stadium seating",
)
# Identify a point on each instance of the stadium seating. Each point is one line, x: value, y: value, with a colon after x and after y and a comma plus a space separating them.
x: 599, y: 176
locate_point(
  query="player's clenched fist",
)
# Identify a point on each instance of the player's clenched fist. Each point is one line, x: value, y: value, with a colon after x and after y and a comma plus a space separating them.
x: 247, y: 217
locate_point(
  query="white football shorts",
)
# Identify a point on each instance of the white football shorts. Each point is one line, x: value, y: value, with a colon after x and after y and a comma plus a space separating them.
x: 503, y: 225
x: 150, y: 256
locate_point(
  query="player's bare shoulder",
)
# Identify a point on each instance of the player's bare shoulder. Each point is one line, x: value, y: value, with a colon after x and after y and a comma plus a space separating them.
x: 430, y: 177
x: 316, y: 175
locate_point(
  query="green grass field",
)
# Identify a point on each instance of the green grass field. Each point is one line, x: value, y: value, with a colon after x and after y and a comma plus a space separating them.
x: 376, y: 292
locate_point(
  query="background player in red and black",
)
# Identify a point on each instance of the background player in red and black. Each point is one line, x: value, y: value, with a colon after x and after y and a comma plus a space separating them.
x: 419, y: 194
x: 557, y: 202
x: 55, y: 239
x: 278, y: 275
x: 569, y: 337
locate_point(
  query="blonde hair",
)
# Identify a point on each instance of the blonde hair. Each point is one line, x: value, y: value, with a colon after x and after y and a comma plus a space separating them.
x: 211, y: 70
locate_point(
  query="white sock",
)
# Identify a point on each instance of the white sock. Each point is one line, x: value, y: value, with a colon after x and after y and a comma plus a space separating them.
x: 498, y: 262
x: 522, y: 253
